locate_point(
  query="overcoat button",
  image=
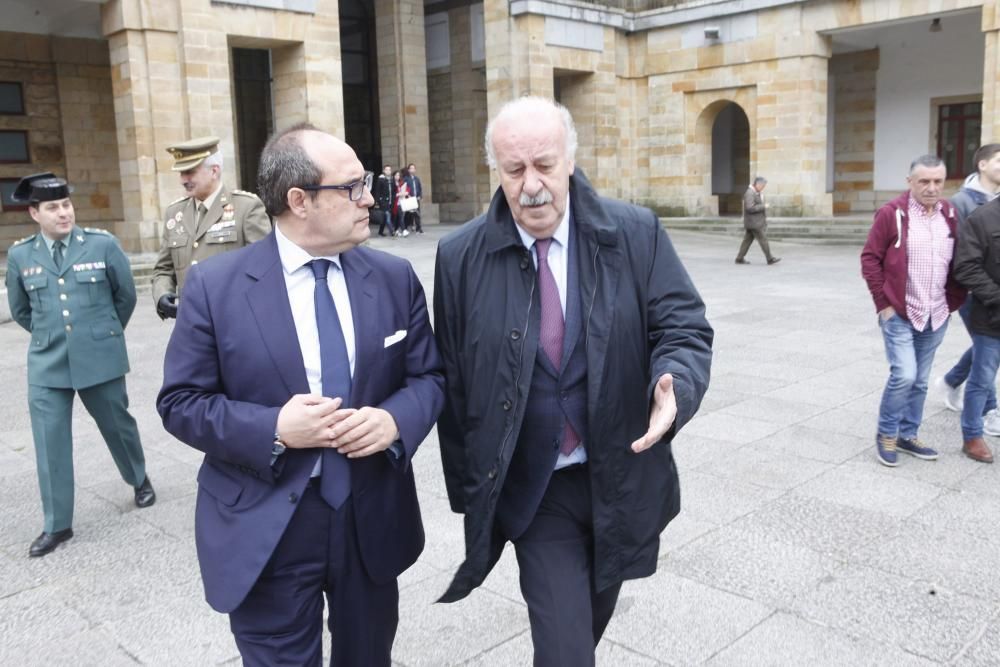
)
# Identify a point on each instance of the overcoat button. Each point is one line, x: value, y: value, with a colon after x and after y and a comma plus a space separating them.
x: 492, y: 473
x: 506, y: 405
x: 515, y: 334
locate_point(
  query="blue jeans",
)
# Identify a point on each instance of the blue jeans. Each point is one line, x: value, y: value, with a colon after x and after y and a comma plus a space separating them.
x: 910, y: 354
x: 981, y: 387
x: 386, y: 221
x: 959, y: 373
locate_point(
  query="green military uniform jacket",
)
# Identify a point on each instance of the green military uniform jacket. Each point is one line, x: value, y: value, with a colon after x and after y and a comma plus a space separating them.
x: 234, y: 220
x: 76, y: 314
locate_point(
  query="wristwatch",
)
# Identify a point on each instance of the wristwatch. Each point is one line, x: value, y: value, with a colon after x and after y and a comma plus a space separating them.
x: 277, y: 446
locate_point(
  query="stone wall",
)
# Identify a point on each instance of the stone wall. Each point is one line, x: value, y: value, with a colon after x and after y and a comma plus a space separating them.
x: 69, y: 116
x: 854, y: 131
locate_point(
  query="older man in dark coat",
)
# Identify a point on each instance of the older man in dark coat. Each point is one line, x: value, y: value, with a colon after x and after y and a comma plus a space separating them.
x: 755, y: 222
x: 575, y: 348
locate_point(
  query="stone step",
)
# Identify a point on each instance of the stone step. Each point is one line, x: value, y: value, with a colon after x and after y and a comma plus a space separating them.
x: 826, y: 231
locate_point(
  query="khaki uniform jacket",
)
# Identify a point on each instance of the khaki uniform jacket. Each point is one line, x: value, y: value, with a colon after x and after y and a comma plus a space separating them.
x: 76, y: 314
x: 754, y: 211
x: 236, y: 219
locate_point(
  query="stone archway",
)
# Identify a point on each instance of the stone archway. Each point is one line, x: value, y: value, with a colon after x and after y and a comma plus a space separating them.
x: 710, y: 115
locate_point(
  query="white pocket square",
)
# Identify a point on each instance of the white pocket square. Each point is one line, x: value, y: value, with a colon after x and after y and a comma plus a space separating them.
x: 395, y: 338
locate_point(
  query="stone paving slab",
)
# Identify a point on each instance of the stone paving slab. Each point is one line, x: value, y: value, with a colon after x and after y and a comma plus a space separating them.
x: 794, y: 546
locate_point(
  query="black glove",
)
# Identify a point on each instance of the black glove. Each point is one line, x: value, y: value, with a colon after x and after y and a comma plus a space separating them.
x: 167, y: 306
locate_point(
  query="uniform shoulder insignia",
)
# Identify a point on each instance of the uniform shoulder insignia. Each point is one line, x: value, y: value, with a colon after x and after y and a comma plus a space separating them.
x: 94, y: 230
x: 18, y: 242
x: 178, y: 201
x: 245, y: 193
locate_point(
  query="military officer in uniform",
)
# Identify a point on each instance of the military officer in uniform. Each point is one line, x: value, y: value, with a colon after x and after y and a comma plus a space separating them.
x: 210, y: 220
x: 72, y: 289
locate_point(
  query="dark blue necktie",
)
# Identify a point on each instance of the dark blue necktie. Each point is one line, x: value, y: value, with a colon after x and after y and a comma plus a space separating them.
x: 335, y: 366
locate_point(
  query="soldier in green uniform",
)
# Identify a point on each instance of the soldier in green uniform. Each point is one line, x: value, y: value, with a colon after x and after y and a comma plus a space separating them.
x: 72, y: 289
x: 209, y: 221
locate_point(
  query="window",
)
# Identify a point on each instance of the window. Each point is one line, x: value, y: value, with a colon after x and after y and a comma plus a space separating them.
x: 14, y: 147
x: 11, y: 98
x: 7, y: 187
x: 958, y: 136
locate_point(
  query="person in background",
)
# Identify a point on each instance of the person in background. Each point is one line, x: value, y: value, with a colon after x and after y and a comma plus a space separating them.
x: 978, y: 189
x: 402, y: 192
x: 385, y: 199
x: 907, y: 263
x: 416, y: 190
x: 209, y: 221
x: 72, y: 290
x: 755, y: 222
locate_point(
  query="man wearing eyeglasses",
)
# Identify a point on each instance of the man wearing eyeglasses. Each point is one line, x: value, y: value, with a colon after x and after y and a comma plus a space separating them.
x: 308, y: 379
x: 208, y: 221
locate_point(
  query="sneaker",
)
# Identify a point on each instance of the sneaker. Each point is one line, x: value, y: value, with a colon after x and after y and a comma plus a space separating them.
x: 885, y: 450
x: 952, y: 395
x: 406, y: 232
x: 914, y: 447
x: 991, y: 422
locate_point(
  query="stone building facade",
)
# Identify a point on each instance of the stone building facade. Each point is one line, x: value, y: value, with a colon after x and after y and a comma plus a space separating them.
x: 678, y: 103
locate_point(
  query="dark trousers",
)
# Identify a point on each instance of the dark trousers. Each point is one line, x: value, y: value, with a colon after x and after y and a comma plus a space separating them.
x: 386, y: 220
x: 281, y: 620
x: 413, y: 220
x: 51, y: 410
x: 748, y: 238
x: 556, y: 560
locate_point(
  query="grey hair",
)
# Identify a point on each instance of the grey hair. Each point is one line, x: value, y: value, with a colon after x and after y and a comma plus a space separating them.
x: 284, y: 164
x: 529, y: 103
x: 931, y: 161
x: 215, y: 159
x: 760, y: 179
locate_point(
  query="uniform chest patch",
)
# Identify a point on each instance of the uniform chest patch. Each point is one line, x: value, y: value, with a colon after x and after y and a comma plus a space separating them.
x: 89, y: 266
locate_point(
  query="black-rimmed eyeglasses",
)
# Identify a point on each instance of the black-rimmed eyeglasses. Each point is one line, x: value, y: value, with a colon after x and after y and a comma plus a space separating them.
x: 355, y: 190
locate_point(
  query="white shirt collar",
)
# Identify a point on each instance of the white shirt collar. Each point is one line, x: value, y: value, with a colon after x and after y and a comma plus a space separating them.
x: 210, y: 199
x: 292, y: 256
x: 562, y: 231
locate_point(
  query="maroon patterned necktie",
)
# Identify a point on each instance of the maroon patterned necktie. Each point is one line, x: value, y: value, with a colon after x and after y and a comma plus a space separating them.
x: 553, y: 328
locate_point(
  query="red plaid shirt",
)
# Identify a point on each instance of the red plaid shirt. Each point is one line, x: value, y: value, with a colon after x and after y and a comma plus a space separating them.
x: 929, y: 251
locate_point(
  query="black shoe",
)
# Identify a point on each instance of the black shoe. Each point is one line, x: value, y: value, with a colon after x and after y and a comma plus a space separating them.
x: 144, y: 494
x: 47, y: 542
x: 774, y: 260
x: 741, y: 261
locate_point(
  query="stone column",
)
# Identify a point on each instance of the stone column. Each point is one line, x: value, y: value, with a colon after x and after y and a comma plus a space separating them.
x: 402, y: 82
x: 149, y: 107
x: 991, y: 73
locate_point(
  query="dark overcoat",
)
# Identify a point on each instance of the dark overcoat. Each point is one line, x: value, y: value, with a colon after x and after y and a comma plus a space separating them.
x: 642, y: 318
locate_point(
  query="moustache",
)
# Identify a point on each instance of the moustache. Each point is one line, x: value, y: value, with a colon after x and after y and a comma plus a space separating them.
x: 543, y: 197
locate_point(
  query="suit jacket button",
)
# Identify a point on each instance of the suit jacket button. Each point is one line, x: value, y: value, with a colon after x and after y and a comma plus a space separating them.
x: 506, y: 405
x: 515, y: 334
x: 492, y: 473
x: 293, y: 497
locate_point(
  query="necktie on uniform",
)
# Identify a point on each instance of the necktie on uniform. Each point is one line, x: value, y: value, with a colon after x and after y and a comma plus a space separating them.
x: 335, y: 365
x: 553, y: 328
x: 202, y: 210
x: 57, y: 253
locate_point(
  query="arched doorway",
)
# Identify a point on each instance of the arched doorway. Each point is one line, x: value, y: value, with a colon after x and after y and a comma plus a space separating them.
x: 730, y: 157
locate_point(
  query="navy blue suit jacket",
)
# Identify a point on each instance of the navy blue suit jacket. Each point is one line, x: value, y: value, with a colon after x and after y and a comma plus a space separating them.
x: 233, y: 360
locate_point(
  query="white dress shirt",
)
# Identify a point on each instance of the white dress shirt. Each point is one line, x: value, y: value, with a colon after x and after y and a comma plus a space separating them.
x: 301, y: 285
x: 557, y: 258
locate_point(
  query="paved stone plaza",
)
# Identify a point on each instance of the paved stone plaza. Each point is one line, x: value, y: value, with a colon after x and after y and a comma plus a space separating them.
x: 794, y: 546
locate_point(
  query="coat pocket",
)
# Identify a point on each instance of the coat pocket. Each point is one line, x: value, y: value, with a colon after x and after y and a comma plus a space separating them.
x: 219, y: 485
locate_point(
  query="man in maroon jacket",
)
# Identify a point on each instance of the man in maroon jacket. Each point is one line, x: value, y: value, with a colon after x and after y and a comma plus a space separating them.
x: 907, y: 263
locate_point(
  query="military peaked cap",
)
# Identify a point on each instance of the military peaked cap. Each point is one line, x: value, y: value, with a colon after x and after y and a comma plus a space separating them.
x: 190, y: 154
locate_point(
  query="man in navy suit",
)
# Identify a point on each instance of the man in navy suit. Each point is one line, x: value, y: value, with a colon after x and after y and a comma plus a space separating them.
x: 308, y: 379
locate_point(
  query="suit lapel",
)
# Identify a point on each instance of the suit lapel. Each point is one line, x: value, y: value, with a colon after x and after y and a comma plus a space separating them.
x: 268, y: 300
x: 364, y: 311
